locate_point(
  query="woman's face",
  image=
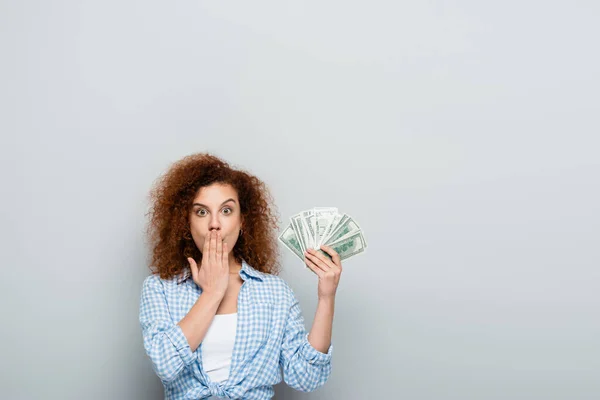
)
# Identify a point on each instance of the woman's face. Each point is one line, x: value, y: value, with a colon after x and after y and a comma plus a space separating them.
x: 216, y: 208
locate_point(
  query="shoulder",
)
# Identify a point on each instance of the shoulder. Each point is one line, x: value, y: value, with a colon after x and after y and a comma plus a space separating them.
x: 274, y: 288
x: 150, y: 281
x: 275, y: 282
x: 154, y: 282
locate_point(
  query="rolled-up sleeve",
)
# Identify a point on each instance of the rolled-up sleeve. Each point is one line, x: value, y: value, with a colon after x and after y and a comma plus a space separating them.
x: 164, y: 341
x: 304, y: 367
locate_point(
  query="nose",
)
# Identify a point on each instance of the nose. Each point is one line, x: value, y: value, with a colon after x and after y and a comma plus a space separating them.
x: 214, y: 223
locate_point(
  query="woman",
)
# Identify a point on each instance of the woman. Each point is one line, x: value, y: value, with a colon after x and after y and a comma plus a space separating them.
x: 217, y: 321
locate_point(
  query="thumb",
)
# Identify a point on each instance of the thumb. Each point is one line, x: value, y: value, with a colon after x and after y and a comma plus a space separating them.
x: 225, y: 255
x: 193, y: 265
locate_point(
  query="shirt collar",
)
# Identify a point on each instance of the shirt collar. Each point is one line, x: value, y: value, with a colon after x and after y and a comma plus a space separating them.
x: 245, y: 272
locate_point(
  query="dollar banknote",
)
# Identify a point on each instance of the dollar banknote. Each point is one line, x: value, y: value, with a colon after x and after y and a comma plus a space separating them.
x: 323, y: 226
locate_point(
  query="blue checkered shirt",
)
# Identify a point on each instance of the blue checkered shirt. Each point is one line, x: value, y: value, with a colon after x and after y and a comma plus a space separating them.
x: 271, y: 338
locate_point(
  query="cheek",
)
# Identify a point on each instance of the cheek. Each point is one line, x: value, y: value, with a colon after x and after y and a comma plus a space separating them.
x: 198, y: 227
x: 198, y: 234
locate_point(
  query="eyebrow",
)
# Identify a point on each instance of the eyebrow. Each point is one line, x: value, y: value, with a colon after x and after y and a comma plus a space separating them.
x: 202, y: 205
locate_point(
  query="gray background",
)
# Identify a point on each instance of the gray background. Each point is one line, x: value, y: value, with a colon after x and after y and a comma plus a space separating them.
x: 462, y: 136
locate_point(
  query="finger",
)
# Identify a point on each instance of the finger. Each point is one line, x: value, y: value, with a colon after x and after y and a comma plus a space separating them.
x: 313, y: 267
x: 219, y: 253
x: 315, y: 260
x: 322, y: 257
x: 335, y: 257
x: 225, y: 259
x: 193, y: 267
x: 213, y: 247
x: 206, y: 248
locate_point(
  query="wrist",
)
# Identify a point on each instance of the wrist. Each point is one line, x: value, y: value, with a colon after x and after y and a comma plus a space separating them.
x: 327, y: 299
x: 214, y: 294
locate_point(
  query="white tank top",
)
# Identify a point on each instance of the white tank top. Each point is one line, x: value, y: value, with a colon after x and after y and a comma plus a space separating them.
x: 217, y: 346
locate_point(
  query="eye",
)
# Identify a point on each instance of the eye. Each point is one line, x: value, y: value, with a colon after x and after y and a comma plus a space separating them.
x: 230, y: 210
x: 202, y: 209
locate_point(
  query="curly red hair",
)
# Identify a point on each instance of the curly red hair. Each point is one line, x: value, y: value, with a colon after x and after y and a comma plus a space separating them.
x: 171, y: 199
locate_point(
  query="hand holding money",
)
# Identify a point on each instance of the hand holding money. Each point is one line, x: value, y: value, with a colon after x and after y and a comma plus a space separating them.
x: 323, y: 226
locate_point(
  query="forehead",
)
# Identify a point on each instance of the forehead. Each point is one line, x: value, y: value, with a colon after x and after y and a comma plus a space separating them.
x: 215, y: 193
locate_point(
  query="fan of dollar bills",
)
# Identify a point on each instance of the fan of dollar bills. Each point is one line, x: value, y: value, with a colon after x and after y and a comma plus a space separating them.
x: 323, y: 226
